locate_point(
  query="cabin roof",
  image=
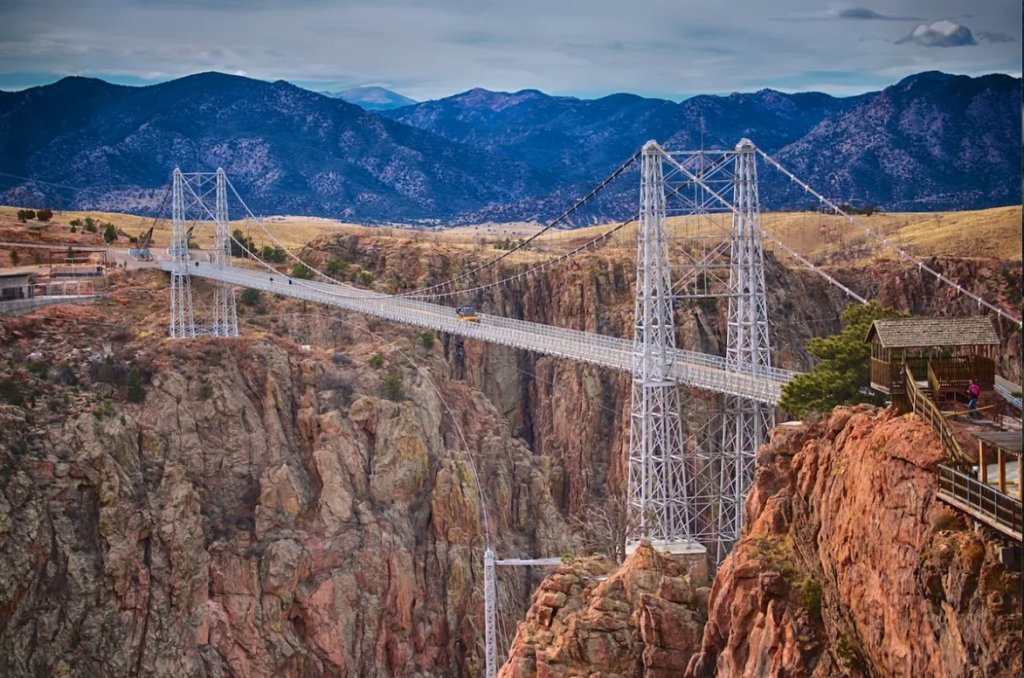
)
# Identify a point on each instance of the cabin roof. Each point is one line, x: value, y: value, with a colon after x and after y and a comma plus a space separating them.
x: 931, y: 332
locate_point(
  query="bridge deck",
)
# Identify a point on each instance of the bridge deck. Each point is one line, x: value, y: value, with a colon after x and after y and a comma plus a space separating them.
x: 1007, y: 389
x: 689, y: 368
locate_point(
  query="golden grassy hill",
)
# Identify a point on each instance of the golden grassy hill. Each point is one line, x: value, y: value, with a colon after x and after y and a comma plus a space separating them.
x: 992, y: 233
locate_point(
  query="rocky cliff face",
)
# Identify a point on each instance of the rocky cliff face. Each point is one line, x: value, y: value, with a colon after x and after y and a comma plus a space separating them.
x: 643, y: 620
x: 850, y: 566
x: 264, y: 512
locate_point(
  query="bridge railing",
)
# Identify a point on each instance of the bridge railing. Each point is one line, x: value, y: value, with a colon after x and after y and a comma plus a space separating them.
x: 982, y: 501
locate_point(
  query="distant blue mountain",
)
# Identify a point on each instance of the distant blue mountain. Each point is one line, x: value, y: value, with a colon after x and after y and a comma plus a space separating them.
x: 372, y: 98
x: 931, y: 141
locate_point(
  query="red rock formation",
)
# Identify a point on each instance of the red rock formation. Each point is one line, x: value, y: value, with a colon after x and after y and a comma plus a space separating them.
x: 850, y: 566
x: 644, y: 620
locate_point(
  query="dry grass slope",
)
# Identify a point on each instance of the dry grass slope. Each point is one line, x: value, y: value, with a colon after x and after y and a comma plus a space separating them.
x: 993, y: 233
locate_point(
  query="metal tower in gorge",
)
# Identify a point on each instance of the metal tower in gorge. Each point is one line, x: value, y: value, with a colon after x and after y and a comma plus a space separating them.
x: 660, y: 486
x: 689, y: 470
x: 745, y: 423
x: 191, y: 209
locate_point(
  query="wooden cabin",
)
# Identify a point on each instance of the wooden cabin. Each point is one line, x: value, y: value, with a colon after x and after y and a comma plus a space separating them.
x: 942, y: 354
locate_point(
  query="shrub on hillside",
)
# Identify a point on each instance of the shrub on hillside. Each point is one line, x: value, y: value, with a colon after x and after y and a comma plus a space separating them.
x: 302, y: 271
x: 251, y: 297
x: 136, y: 391
x: 393, y: 390
x: 336, y: 267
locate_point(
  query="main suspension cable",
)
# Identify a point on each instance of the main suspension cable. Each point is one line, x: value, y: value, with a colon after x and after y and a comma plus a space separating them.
x: 885, y: 241
x: 565, y: 215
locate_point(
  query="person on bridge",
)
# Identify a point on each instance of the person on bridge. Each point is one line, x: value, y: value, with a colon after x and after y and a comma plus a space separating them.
x: 973, y: 392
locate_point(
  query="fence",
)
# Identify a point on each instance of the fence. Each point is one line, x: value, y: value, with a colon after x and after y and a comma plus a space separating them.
x: 985, y: 503
x: 925, y: 407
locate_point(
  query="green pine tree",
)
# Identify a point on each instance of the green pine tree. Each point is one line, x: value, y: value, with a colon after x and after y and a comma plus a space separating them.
x: 843, y: 373
x: 136, y: 391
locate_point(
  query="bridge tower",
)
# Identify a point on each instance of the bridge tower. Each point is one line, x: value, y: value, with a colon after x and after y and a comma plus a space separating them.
x: 190, y: 193
x: 182, y: 311
x: 689, y: 475
x: 659, y: 484
x: 745, y: 423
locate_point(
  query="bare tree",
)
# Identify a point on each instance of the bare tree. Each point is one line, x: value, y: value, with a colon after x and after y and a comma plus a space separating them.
x: 606, y: 523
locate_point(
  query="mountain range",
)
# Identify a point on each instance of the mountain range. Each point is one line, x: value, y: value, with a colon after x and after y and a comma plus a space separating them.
x: 931, y: 141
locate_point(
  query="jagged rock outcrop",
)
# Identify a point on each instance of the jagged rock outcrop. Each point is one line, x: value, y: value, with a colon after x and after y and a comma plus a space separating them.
x: 850, y: 566
x: 644, y: 620
x: 264, y: 512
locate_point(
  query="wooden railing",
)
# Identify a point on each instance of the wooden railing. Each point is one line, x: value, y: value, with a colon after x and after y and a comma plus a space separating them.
x: 981, y: 501
x: 925, y: 407
x: 958, y: 371
x: 933, y: 383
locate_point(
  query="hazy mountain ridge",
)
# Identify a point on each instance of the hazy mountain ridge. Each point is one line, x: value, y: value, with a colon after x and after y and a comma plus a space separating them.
x: 931, y: 141
x: 928, y: 142
x: 372, y: 98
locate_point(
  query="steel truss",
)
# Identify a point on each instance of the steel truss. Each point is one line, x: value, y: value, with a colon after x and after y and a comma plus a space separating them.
x: 692, y: 486
x: 660, y: 483
x: 190, y: 202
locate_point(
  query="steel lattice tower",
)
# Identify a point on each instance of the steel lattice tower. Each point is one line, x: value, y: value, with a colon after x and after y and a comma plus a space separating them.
x: 190, y: 195
x: 490, y: 616
x: 182, y: 312
x: 225, y: 318
x: 745, y: 423
x: 658, y: 478
x: 689, y: 478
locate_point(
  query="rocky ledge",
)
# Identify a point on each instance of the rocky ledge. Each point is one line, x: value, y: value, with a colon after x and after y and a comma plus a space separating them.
x: 850, y: 567
x: 643, y: 620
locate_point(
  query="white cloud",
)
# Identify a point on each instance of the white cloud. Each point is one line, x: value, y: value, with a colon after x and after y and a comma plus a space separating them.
x: 940, y: 34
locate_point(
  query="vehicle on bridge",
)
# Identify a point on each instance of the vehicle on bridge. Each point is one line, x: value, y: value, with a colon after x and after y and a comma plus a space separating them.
x: 467, y: 314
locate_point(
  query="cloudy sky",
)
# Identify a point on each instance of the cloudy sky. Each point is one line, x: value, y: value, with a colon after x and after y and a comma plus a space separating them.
x: 432, y: 48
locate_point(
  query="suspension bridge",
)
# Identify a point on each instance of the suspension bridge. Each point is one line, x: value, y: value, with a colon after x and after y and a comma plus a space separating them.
x: 687, y: 482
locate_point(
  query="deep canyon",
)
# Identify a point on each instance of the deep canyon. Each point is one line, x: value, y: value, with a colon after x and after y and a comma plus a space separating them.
x: 267, y: 511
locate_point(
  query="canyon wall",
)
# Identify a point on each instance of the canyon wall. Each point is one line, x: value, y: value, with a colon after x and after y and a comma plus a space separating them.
x: 850, y: 565
x: 267, y: 511
x: 263, y: 512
